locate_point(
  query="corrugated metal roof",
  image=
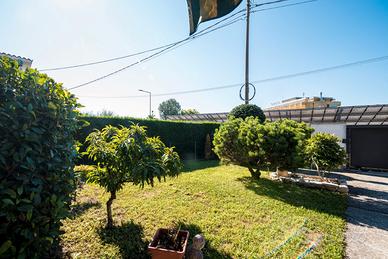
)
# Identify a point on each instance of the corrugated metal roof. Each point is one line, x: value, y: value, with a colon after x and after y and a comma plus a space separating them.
x: 351, y: 115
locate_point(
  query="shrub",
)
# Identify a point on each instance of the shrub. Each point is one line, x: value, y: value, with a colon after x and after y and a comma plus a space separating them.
x: 37, y: 148
x: 261, y: 146
x: 245, y: 110
x: 128, y: 155
x: 237, y: 142
x: 324, y: 152
x: 283, y: 143
x: 188, y: 138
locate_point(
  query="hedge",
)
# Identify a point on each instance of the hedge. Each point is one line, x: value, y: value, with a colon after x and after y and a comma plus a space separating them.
x: 38, y: 120
x: 188, y: 137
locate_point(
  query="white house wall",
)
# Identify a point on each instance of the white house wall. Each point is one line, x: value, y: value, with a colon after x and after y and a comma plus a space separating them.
x: 338, y: 129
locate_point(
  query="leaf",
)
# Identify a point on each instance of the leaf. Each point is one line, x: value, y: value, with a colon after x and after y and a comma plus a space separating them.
x: 8, y: 201
x: 5, y: 246
x: 11, y: 193
x: 20, y: 190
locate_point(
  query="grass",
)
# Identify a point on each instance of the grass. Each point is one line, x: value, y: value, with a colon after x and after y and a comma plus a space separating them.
x: 239, y: 217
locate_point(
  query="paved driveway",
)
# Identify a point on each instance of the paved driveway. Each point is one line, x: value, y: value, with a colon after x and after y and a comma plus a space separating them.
x: 367, y: 215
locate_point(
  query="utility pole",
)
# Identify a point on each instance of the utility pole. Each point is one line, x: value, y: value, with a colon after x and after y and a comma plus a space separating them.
x: 150, y: 99
x: 247, y: 54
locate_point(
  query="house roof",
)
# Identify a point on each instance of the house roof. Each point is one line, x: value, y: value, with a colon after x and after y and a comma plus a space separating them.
x: 14, y: 56
x: 351, y: 115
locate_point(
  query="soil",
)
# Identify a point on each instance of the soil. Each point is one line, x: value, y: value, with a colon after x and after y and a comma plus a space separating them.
x: 171, y: 240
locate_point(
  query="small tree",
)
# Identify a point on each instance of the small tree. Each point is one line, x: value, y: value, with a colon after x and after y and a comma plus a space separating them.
x: 245, y: 110
x: 259, y: 146
x: 324, y: 152
x: 189, y: 111
x: 283, y: 143
x: 106, y: 113
x: 169, y: 107
x: 237, y: 141
x: 128, y: 155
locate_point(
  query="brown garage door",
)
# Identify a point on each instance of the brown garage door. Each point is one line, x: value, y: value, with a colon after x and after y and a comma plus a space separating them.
x: 368, y: 146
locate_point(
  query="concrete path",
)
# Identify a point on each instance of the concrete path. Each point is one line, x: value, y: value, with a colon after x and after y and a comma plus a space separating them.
x: 367, y: 215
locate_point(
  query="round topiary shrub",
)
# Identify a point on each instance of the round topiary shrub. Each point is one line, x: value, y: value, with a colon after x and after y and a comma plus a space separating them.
x: 246, y: 110
x: 238, y: 141
x: 38, y: 119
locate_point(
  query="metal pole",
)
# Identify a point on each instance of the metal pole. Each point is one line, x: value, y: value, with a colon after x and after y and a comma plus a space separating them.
x: 148, y: 92
x: 247, y: 55
x: 150, y: 106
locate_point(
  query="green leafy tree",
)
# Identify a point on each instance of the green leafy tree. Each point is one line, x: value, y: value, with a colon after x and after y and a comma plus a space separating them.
x: 105, y: 113
x: 169, y: 107
x: 283, y: 142
x: 258, y: 146
x: 189, y: 111
x: 128, y: 155
x: 38, y: 121
x: 324, y: 152
x: 237, y: 141
x: 245, y: 110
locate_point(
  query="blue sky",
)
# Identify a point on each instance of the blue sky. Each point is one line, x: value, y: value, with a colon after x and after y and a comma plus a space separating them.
x: 283, y: 41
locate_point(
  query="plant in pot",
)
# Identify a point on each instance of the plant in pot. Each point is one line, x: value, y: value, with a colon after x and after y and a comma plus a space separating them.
x: 169, y: 243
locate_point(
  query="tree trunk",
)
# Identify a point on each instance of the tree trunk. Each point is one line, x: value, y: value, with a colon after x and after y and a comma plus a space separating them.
x: 254, y: 173
x: 109, y: 209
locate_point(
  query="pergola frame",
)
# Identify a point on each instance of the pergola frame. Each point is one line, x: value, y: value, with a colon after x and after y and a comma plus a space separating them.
x: 350, y: 115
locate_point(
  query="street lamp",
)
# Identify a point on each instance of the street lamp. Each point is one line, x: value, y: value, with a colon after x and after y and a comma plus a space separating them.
x: 150, y: 99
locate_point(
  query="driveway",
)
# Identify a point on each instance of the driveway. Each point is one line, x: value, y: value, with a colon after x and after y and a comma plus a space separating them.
x: 367, y: 215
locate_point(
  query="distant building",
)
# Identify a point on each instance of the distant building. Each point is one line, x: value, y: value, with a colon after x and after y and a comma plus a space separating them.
x: 24, y: 63
x: 300, y: 103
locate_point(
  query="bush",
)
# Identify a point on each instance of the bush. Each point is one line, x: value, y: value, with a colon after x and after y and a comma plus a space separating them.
x: 261, y: 146
x: 237, y: 141
x: 37, y: 148
x: 189, y: 138
x: 324, y: 152
x: 283, y: 142
x: 128, y: 155
x: 246, y: 110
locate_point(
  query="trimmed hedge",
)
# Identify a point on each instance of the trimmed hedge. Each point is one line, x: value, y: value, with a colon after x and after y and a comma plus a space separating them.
x: 245, y: 110
x: 188, y: 138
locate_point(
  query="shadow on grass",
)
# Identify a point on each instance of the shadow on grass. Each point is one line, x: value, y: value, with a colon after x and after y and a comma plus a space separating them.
x: 80, y: 208
x: 192, y: 165
x: 208, y: 251
x: 319, y: 200
x: 128, y: 238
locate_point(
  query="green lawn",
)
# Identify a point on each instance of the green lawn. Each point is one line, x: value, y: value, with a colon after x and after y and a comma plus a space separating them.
x: 239, y: 217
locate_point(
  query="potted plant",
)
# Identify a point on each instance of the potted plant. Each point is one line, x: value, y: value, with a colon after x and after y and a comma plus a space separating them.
x: 168, y: 243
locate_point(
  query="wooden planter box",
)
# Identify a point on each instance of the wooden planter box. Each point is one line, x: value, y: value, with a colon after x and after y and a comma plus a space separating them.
x: 160, y: 253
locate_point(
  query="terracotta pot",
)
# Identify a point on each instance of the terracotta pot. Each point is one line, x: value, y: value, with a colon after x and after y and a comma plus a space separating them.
x: 161, y: 253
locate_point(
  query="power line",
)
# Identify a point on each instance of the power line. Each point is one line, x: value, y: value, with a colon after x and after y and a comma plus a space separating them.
x: 282, y: 77
x: 141, y: 52
x: 106, y: 60
x: 174, y: 45
x: 161, y: 47
x: 164, y: 50
x: 282, y: 6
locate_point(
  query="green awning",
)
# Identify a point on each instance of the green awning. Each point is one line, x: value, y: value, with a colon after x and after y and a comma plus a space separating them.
x: 205, y: 10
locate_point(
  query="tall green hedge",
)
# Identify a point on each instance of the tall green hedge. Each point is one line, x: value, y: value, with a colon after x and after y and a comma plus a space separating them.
x: 189, y: 138
x: 38, y: 120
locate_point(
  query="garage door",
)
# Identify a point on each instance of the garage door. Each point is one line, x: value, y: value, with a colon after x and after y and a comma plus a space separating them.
x: 368, y: 146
